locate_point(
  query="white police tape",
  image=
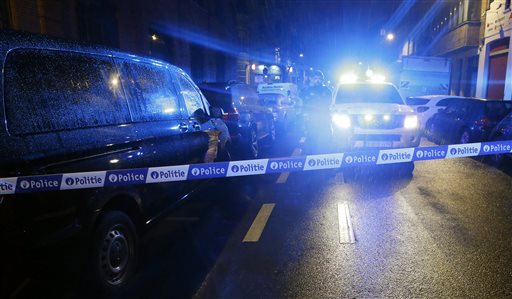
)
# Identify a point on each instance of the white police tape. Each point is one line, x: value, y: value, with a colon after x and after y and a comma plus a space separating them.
x: 112, y: 178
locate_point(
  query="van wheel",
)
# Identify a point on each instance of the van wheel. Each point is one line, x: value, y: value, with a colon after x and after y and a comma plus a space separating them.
x: 114, y: 252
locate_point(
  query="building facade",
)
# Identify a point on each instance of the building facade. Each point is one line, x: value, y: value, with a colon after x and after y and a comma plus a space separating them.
x: 495, y: 63
x: 451, y: 29
x: 211, y: 40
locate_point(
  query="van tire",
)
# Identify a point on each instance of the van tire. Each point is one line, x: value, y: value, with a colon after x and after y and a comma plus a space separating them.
x: 114, y: 252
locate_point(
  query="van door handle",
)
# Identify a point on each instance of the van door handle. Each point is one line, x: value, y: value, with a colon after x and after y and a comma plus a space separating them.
x: 183, y: 127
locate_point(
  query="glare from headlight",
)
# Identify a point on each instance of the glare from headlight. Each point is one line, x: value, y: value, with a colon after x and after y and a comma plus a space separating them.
x: 341, y: 120
x: 411, y: 122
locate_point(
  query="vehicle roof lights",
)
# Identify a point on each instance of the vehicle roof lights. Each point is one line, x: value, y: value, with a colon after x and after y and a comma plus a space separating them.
x: 348, y: 78
x: 378, y: 78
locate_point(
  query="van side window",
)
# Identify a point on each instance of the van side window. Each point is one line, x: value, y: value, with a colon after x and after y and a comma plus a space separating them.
x: 151, y: 92
x: 191, y: 96
x: 48, y: 90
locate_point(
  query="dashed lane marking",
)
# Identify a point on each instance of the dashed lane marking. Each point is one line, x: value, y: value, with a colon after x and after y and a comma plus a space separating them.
x: 283, y: 177
x: 345, y: 224
x: 256, y: 229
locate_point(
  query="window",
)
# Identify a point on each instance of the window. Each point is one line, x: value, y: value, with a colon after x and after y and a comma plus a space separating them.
x: 416, y: 101
x: 191, y: 96
x: 5, y: 14
x: 496, y: 110
x: 152, y: 93
x: 453, y: 108
x: 54, y: 90
x: 445, y: 102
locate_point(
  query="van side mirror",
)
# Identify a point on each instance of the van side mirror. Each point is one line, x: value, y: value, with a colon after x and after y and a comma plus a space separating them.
x: 216, y: 112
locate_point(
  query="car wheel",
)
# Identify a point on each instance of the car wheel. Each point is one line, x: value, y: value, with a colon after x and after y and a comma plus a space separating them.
x: 464, y: 137
x: 253, y: 147
x: 429, y: 131
x: 114, y: 252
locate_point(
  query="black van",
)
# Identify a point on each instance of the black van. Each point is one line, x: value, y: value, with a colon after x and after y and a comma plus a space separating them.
x: 70, y: 108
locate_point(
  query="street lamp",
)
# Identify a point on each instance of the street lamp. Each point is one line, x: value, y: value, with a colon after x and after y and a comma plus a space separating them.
x: 301, y: 55
x: 390, y: 36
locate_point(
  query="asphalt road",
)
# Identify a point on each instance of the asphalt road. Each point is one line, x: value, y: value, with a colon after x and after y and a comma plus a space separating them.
x: 444, y: 232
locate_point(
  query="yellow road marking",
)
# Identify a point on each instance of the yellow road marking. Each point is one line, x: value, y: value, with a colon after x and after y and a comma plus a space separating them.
x: 254, y: 233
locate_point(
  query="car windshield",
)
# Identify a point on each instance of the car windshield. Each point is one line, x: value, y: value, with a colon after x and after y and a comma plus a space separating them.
x: 367, y: 93
x: 255, y: 149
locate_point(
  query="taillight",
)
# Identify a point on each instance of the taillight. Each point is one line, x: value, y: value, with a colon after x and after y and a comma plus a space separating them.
x: 484, y: 122
x: 233, y: 116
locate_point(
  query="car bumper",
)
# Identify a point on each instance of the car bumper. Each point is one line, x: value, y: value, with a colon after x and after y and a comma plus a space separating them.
x: 356, y: 138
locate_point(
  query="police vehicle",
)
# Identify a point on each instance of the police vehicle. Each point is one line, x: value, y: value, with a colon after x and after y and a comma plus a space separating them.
x: 372, y: 114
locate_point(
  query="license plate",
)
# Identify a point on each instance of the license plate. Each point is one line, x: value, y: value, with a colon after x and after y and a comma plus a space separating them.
x: 379, y: 144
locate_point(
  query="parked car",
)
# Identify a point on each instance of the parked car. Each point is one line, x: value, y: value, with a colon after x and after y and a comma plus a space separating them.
x: 284, y: 102
x: 250, y: 124
x: 502, y: 131
x: 467, y: 120
x: 70, y: 108
x: 427, y: 106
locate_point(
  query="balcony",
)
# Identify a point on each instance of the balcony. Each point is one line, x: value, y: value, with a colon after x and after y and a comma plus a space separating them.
x: 462, y: 37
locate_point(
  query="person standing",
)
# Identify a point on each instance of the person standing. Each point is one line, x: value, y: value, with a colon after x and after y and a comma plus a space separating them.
x: 317, y: 100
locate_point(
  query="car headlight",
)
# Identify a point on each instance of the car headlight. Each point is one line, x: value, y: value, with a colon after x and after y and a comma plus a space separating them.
x: 341, y: 120
x: 411, y: 122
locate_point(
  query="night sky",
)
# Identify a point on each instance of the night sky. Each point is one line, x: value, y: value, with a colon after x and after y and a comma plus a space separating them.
x: 334, y: 33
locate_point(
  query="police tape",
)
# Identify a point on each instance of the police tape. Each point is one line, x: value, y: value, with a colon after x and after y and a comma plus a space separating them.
x: 123, y: 177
